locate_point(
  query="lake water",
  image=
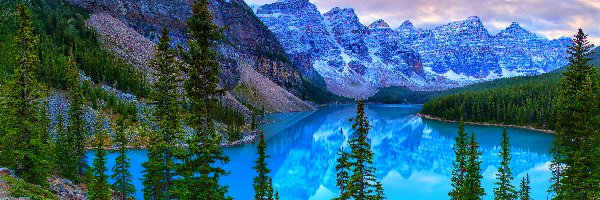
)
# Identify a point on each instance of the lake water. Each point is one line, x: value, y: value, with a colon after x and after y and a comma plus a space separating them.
x: 413, y: 156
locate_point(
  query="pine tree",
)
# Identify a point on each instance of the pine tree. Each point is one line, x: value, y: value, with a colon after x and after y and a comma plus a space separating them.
x: 99, y: 189
x: 160, y: 169
x: 459, y: 166
x: 263, y: 188
x: 65, y: 160
x: 504, y: 189
x: 76, y: 129
x: 200, y: 176
x: 362, y: 183
x: 472, y: 185
x: 524, y: 192
x: 575, y: 153
x: 25, y: 138
x: 343, y: 176
x: 122, y: 187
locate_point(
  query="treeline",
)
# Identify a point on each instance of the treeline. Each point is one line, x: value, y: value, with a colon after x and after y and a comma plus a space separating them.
x: 527, y: 101
x: 61, y: 27
x: 530, y: 103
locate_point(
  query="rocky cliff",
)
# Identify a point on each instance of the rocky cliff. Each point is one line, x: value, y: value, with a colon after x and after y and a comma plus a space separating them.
x: 355, y: 60
x: 247, y: 41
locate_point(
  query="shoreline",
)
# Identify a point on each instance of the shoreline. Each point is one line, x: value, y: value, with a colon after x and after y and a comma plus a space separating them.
x: 487, y: 124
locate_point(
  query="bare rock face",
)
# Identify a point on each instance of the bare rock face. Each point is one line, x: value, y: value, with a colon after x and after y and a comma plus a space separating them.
x: 246, y: 38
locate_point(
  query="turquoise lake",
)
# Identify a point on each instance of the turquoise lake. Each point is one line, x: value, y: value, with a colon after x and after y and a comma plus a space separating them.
x: 413, y: 156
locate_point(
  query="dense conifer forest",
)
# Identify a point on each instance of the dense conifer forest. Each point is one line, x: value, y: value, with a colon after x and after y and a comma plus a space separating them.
x: 525, y: 101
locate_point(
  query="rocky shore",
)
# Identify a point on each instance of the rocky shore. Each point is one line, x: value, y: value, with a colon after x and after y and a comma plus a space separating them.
x: 487, y: 124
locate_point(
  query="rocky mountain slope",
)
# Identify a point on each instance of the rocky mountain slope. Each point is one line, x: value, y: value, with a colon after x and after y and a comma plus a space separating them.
x: 247, y: 41
x: 355, y: 60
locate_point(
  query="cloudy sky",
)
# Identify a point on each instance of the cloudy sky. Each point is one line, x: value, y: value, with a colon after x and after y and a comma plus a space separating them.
x: 549, y: 18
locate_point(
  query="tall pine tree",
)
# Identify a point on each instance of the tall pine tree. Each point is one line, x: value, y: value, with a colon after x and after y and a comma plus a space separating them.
x: 165, y: 148
x: 25, y: 140
x: 362, y: 183
x: 99, y: 189
x: 472, y: 185
x: 504, y: 189
x: 200, y: 175
x: 76, y: 129
x: 459, y: 166
x: 525, y: 188
x: 65, y: 159
x: 575, y: 152
x: 122, y: 187
x: 263, y: 186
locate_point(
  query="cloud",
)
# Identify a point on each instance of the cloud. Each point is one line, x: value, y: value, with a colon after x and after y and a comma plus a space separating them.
x: 548, y: 18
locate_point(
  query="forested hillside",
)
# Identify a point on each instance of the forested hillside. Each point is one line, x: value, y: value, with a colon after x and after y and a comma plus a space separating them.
x: 528, y: 101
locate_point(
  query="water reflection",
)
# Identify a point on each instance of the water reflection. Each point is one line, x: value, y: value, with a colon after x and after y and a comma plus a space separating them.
x: 413, y: 156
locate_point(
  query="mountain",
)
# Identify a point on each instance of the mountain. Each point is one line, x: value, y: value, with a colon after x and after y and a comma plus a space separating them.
x: 248, y: 49
x: 356, y: 60
x: 525, y: 101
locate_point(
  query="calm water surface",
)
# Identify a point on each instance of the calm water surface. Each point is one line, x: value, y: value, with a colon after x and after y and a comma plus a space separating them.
x: 413, y: 156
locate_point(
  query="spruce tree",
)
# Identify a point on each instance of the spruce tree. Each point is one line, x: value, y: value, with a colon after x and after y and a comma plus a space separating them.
x: 263, y: 188
x: 25, y: 140
x: 504, y: 189
x: 76, y: 127
x: 165, y: 148
x: 342, y: 169
x: 459, y: 166
x: 65, y: 159
x: 362, y: 183
x: 200, y: 175
x: 472, y: 185
x: 99, y: 189
x: 575, y: 165
x: 122, y: 187
x: 525, y: 188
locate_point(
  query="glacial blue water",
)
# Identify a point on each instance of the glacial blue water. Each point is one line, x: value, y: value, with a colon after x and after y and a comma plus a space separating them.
x: 413, y: 156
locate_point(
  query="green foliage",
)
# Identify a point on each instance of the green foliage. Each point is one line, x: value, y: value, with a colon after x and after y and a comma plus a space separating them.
x: 401, y: 95
x: 526, y: 101
x: 122, y: 187
x: 472, y: 186
x: 25, y: 140
x: 61, y: 27
x: 319, y: 95
x: 459, y: 166
x: 66, y: 160
x: 99, y: 189
x: 525, y: 188
x: 575, y: 149
x: 76, y: 129
x: 19, y: 188
x: 262, y: 183
x: 159, y: 170
x: 362, y: 182
x: 504, y: 189
x: 343, y: 173
x: 200, y: 176
x: 233, y: 118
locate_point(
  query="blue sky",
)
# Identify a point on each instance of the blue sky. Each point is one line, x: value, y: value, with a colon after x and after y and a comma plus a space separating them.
x: 548, y: 18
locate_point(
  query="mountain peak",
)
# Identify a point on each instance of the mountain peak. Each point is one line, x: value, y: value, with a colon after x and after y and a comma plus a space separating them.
x: 515, y: 30
x: 292, y: 1
x: 338, y: 11
x: 406, y: 24
x: 380, y: 23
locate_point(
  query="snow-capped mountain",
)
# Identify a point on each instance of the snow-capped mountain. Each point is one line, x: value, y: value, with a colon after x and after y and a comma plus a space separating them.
x: 355, y: 60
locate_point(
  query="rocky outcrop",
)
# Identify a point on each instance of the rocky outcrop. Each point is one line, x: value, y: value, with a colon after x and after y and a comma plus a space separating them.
x: 356, y: 60
x: 260, y: 93
x: 246, y: 39
x: 123, y: 41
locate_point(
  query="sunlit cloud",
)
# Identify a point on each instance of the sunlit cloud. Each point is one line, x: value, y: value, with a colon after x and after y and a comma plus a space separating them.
x: 551, y: 19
